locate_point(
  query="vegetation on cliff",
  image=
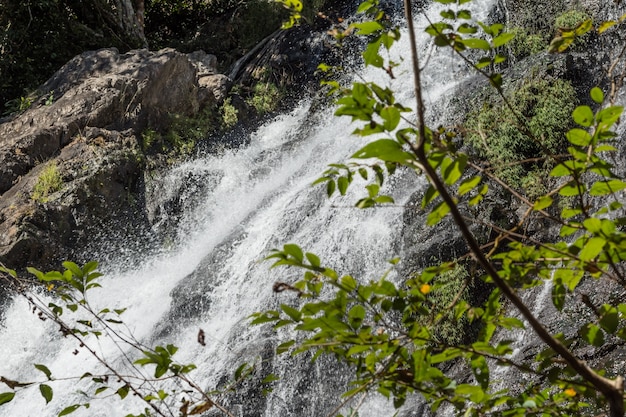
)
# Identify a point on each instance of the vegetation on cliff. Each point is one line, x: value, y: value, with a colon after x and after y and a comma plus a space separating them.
x: 399, y: 337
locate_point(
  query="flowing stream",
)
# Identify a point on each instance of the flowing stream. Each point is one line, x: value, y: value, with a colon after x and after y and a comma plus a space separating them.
x: 250, y: 200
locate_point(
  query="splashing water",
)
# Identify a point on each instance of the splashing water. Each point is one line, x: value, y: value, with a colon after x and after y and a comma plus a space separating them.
x: 259, y: 197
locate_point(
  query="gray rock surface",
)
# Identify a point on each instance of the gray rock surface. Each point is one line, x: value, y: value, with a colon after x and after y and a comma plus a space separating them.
x: 88, y: 122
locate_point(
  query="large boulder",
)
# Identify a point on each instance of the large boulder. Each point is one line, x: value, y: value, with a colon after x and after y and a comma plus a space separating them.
x: 88, y: 123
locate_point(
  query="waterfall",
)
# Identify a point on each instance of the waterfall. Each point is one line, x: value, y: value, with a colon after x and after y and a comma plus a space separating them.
x: 253, y: 199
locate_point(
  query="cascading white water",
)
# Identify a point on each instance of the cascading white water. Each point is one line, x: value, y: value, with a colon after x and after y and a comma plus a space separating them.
x: 260, y: 198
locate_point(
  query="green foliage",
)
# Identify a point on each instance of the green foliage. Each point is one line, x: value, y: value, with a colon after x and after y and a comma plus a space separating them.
x: 396, y: 334
x: 451, y: 287
x: 265, y: 97
x: 49, y: 182
x: 497, y: 133
x: 572, y: 29
x: 183, y: 133
x: 525, y: 43
x: 570, y: 19
x: 230, y: 115
x: 18, y: 105
x: 77, y: 319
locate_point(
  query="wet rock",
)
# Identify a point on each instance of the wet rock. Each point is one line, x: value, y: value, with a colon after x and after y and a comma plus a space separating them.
x: 87, y: 122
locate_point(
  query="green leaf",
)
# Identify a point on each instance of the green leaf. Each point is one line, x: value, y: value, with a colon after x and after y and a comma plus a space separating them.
x: 583, y: 115
x: 606, y: 25
x: 293, y: 313
x: 558, y: 296
x: 469, y: 184
x: 356, y: 315
x: 572, y: 189
x: 75, y: 269
x: 371, y: 55
x: 609, y: 115
x: 270, y: 378
x: 69, y: 410
x: 448, y: 14
x: 503, y: 39
x: 284, y: 347
x: 348, y: 282
x: 342, y: 184
x: 593, y: 224
x: 542, y: 203
x: 313, y: 259
x: 578, y: 137
x: 6, y: 397
x: 437, y: 214
x: 123, y: 391
x: 386, y: 150
x: 583, y: 27
x: 464, y: 14
x: 452, y: 169
x: 391, y: 117
x: 367, y: 28
x: 476, y: 43
x: 592, y: 248
x: 496, y: 80
x: 610, y: 318
x: 365, y: 6
x: 384, y: 199
x: 592, y: 334
x: 330, y: 187
x: 46, y: 392
x: 474, y: 392
x: 294, y: 251
x: 561, y: 43
x: 44, y: 369
x: 597, y: 95
x: 429, y: 196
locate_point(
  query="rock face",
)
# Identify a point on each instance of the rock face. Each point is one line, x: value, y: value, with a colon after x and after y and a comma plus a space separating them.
x: 88, y: 123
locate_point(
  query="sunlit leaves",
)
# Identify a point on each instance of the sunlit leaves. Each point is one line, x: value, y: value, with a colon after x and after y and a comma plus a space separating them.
x: 567, y: 36
x: 385, y: 149
x: 607, y: 187
x: 583, y: 115
x: 592, y: 334
x: 295, y: 9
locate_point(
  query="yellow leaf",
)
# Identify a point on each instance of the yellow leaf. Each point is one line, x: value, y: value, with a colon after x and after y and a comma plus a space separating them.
x: 605, y: 25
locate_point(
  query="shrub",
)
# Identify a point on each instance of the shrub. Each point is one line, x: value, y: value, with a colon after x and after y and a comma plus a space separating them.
x: 230, y: 115
x: 49, y: 182
x: 449, y: 330
x: 265, y: 97
x: 570, y: 19
x: 526, y: 43
x: 496, y: 134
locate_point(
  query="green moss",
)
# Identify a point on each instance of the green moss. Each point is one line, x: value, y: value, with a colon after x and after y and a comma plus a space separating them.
x: 570, y: 19
x: 498, y: 136
x: 49, y: 182
x: 526, y: 43
x: 450, y: 330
